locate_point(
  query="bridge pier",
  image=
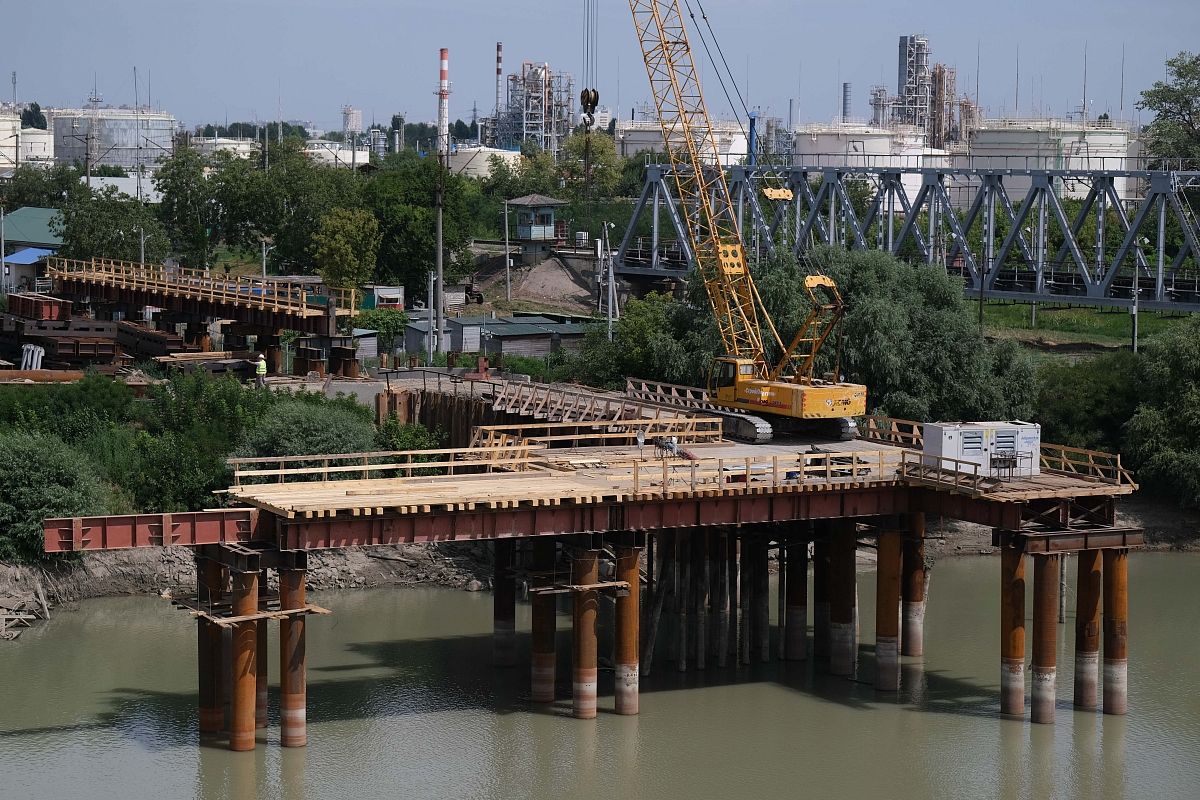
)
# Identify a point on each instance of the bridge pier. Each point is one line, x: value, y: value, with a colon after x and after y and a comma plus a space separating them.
x: 1012, y: 632
x: 912, y: 638
x: 293, y: 699
x: 542, y: 667
x: 1116, y: 626
x: 209, y: 585
x: 1045, y: 632
x: 762, y: 598
x: 1087, y: 629
x: 260, y: 661
x: 504, y: 605
x: 245, y: 657
x: 628, y: 614
x: 585, y: 571
x: 821, y: 567
x: 841, y: 612
x: 887, y: 612
x: 795, y: 613
x: 699, y: 597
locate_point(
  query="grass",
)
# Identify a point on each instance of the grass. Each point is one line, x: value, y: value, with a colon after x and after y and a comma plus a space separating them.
x: 1073, y: 324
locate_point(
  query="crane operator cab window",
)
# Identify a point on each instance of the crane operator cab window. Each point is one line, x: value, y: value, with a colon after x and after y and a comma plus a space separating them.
x: 726, y: 373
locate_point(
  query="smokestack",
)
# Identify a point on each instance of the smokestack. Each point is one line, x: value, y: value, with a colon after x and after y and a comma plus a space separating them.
x: 499, y: 74
x: 791, y: 123
x: 443, y: 140
x: 846, y: 101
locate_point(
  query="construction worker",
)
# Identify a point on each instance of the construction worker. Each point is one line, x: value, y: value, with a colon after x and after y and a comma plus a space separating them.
x: 260, y: 372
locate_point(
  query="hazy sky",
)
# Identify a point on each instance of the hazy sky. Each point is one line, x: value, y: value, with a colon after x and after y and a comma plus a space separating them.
x: 212, y: 59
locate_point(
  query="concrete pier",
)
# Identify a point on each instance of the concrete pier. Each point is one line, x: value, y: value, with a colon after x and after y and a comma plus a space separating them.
x: 1045, y: 633
x: 796, y: 601
x: 543, y: 658
x: 912, y: 638
x: 1012, y: 632
x: 504, y: 605
x: 887, y: 612
x: 762, y: 600
x: 1087, y: 629
x: 628, y: 614
x: 585, y: 571
x: 293, y: 690
x: 821, y: 598
x: 1116, y: 629
x: 245, y: 661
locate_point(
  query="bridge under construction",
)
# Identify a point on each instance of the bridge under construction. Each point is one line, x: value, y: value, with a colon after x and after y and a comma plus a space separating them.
x: 583, y: 497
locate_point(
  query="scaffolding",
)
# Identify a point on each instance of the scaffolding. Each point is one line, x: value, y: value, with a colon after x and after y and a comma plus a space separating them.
x: 538, y: 110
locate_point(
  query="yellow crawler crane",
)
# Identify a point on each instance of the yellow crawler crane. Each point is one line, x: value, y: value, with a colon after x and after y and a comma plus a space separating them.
x: 787, y: 391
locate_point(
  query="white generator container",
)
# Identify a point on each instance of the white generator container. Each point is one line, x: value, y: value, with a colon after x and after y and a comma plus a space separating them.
x: 1001, y: 449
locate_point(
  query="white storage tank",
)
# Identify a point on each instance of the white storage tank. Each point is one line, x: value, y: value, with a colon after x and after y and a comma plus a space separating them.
x: 844, y: 145
x: 1000, y: 449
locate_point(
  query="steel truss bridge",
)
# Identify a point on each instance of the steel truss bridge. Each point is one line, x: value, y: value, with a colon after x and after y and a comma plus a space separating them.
x: 1012, y: 229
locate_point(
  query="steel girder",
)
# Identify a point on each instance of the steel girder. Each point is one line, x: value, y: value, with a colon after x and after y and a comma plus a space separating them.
x: 1010, y: 228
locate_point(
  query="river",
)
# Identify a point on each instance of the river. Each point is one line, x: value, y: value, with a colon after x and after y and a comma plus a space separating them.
x: 100, y: 702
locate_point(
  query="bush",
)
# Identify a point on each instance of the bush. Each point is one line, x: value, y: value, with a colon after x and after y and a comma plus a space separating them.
x: 1088, y: 403
x: 43, y: 477
x: 296, y: 427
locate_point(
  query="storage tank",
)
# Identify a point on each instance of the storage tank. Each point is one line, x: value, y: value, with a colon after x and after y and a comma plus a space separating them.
x: 123, y: 137
x: 9, y: 125
x: 476, y: 162
x: 837, y: 145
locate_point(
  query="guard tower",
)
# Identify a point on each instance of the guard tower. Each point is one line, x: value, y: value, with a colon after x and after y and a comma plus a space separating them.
x: 537, y: 230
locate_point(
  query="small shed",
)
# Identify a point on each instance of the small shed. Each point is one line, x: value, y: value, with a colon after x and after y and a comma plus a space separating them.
x: 21, y: 268
x: 537, y: 229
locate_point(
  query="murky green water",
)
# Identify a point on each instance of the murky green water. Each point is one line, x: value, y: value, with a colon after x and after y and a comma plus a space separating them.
x: 402, y: 703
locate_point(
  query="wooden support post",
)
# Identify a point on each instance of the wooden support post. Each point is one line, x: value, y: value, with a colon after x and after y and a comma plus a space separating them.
x: 843, y: 579
x: 796, y: 615
x: 722, y: 597
x: 245, y: 658
x: 210, y: 581
x: 762, y: 598
x: 544, y: 623
x: 293, y: 679
x: 700, y: 597
x: 821, y: 567
x: 912, y: 637
x: 1087, y: 629
x: 504, y: 606
x: 625, y: 654
x: 887, y: 612
x: 1012, y: 632
x: 683, y: 562
x: 1116, y: 630
x: 260, y: 684
x: 1045, y: 634
x: 585, y: 571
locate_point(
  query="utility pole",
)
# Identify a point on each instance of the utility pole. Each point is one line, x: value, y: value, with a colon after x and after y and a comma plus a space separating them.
x: 429, y: 309
x: 3, y: 247
x: 507, y: 258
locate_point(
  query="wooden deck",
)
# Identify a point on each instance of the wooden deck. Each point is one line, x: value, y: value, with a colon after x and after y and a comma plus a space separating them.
x: 532, y: 475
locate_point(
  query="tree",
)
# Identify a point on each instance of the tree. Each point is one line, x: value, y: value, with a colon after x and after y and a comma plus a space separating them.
x: 1087, y: 404
x: 33, y: 117
x: 43, y: 477
x: 606, y: 168
x: 41, y: 187
x: 188, y: 208
x: 1162, y: 439
x: 345, y: 247
x: 1175, y: 131
x: 296, y: 427
x: 388, y: 322
x: 110, y: 225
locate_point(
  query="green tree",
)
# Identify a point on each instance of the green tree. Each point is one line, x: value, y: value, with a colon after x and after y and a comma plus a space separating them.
x: 33, y: 117
x: 1162, y: 439
x: 188, y: 208
x: 110, y: 225
x: 345, y: 247
x: 1175, y: 102
x: 43, y: 477
x: 1087, y: 404
x: 389, y: 322
x: 394, y: 436
x: 42, y: 187
x: 606, y: 167
x: 294, y: 427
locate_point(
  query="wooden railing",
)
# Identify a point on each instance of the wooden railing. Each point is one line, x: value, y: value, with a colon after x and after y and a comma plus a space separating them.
x: 268, y: 294
x: 669, y: 393
x: 1093, y: 464
x: 685, y: 430
x: 767, y: 472
x: 384, y: 464
x: 944, y: 472
x: 902, y: 432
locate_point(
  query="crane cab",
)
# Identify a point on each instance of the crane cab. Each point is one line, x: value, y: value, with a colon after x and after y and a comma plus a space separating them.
x: 729, y: 375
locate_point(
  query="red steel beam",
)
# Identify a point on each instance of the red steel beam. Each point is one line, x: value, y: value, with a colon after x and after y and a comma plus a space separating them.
x: 65, y: 535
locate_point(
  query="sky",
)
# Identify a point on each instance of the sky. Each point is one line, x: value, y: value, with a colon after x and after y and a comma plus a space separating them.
x: 212, y: 60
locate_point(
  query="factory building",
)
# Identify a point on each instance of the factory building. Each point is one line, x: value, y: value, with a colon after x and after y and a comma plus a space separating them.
x: 634, y: 136
x: 538, y: 107
x: 238, y: 148
x: 10, y: 127
x: 122, y: 137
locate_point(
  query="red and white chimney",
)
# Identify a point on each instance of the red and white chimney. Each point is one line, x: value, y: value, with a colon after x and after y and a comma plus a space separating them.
x: 443, y: 93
